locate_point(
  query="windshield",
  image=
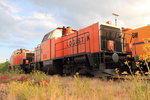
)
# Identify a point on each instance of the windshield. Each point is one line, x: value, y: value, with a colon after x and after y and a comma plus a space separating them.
x: 53, y: 34
x: 46, y: 37
x: 110, y: 33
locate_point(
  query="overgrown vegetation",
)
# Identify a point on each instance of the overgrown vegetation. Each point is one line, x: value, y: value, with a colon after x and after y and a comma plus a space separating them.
x: 4, y: 67
x: 75, y: 88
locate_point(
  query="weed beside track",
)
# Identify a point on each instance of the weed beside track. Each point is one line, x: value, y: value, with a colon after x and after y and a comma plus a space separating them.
x: 35, y: 87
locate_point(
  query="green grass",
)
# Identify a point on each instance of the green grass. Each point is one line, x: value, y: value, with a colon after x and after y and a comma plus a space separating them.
x: 5, y: 70
x: 4, y: 67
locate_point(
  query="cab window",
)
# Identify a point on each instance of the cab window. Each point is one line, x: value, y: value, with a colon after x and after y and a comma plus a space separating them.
x: 17, y: 52
x: 56, y: 33
x: 46, y: 37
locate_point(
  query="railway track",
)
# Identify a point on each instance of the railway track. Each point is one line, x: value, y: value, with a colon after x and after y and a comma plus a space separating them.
x: 130, y: 77
x: 118, y: 78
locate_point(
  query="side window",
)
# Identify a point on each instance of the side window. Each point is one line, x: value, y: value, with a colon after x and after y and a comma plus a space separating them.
x: 135, y: 35
x: 107, y: 35
x: 118, y: 36
x: 113, y: 35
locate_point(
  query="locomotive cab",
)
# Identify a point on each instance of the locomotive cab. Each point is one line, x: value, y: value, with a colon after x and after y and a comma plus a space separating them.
x: 46, y: 51
x: 111, y: 55
x: 110, y: 38
x: 58, y: 33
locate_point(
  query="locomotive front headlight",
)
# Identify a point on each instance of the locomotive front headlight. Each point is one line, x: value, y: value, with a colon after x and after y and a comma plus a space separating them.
x: 115, y: 57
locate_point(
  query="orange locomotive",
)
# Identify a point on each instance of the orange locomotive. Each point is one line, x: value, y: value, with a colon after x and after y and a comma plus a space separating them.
x: 21, y: 57
x: 137, y: 40
x: 94, y: 50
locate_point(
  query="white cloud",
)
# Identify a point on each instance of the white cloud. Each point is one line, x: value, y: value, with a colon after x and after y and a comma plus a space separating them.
x: 20, y: 28
x: 7, y: 7
x: 38, y: 15
x: 79, y: 13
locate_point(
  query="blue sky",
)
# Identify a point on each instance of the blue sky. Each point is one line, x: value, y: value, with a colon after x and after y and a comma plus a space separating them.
x: 23, y: 23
